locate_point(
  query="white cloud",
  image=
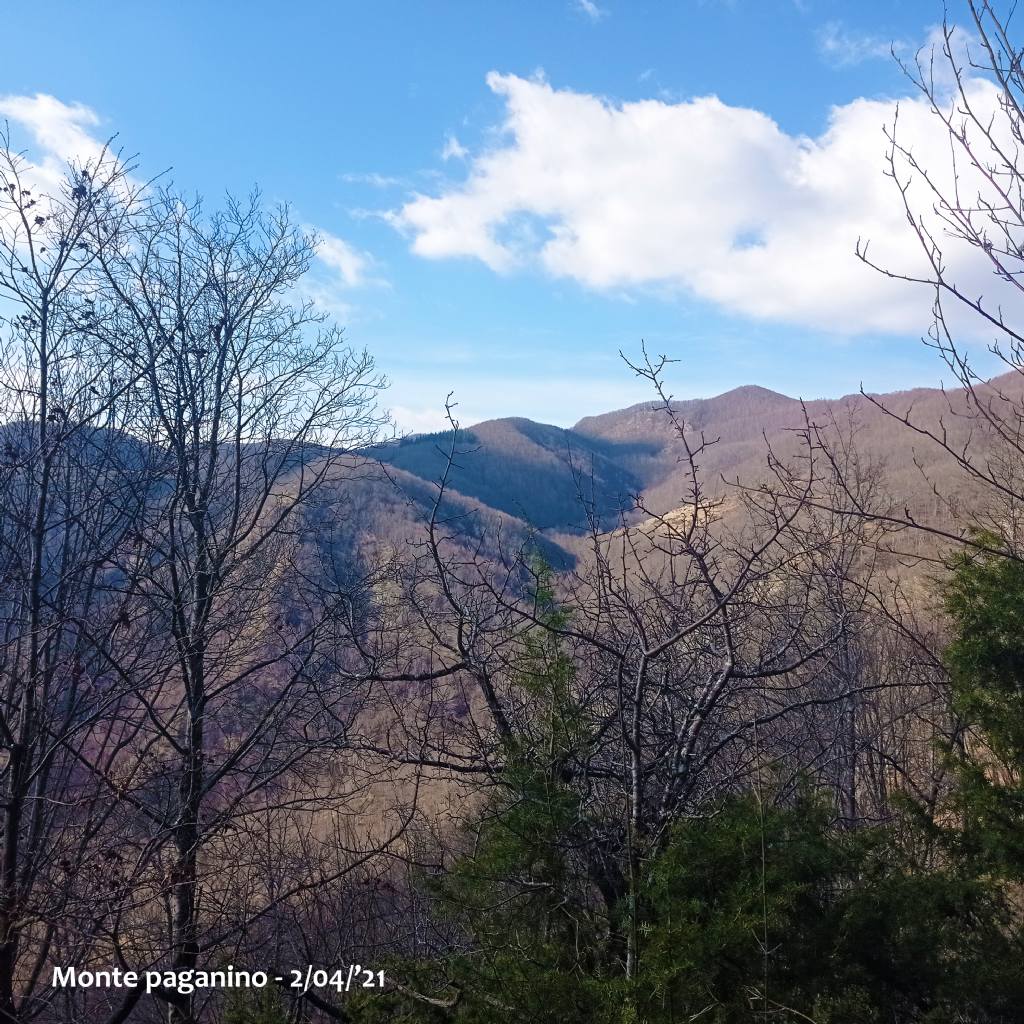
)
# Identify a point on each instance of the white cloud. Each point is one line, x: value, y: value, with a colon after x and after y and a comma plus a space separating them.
x: 339, y: 270
x: 58, y: 129
x: 373, y: 179
x: 712, y: 199
x: 845, y: 47
x: 419, y: 419
x: 349, y: 264
x: 50, y: 137
x: 453, y: 149
x: 590, y: 9
x: 60, y: 133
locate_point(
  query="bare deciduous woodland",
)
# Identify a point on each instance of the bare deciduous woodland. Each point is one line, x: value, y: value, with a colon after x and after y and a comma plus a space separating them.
x: 702, y: 711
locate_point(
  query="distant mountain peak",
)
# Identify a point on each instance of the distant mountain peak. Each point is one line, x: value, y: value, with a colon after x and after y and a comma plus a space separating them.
x: 751, y: 391
x: 740, y: 401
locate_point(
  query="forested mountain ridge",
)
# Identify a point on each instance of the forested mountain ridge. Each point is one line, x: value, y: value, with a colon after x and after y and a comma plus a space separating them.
x: 545, y: 478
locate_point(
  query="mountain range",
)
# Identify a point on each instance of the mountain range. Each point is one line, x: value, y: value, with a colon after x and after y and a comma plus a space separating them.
x: 524, y: 476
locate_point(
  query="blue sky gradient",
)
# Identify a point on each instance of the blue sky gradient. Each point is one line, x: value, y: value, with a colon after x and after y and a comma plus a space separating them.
x: 349, y: 111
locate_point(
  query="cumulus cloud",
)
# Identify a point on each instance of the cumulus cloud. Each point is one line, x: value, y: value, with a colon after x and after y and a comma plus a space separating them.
x: 59, y: 129
x: 59, y: 133
x: 716, y: 200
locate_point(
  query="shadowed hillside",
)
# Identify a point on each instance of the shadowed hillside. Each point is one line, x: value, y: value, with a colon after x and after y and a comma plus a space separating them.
x: 533, y: 471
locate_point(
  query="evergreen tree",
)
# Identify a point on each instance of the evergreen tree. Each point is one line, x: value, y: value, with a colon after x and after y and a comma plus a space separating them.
x: 760, y: 909
x: 985, y: 600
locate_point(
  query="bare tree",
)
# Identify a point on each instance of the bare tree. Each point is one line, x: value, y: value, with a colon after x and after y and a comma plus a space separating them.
x: 967, y: 215
x: 686, y: 653
x: 70, y: 489
x: 254, y: 407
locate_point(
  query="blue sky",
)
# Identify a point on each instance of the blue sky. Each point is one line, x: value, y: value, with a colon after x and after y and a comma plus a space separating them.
x: 510, y: 193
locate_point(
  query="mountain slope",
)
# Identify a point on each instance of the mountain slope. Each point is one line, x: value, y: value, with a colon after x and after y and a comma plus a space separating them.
x: 532, y: 471
x: 533, y: 475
